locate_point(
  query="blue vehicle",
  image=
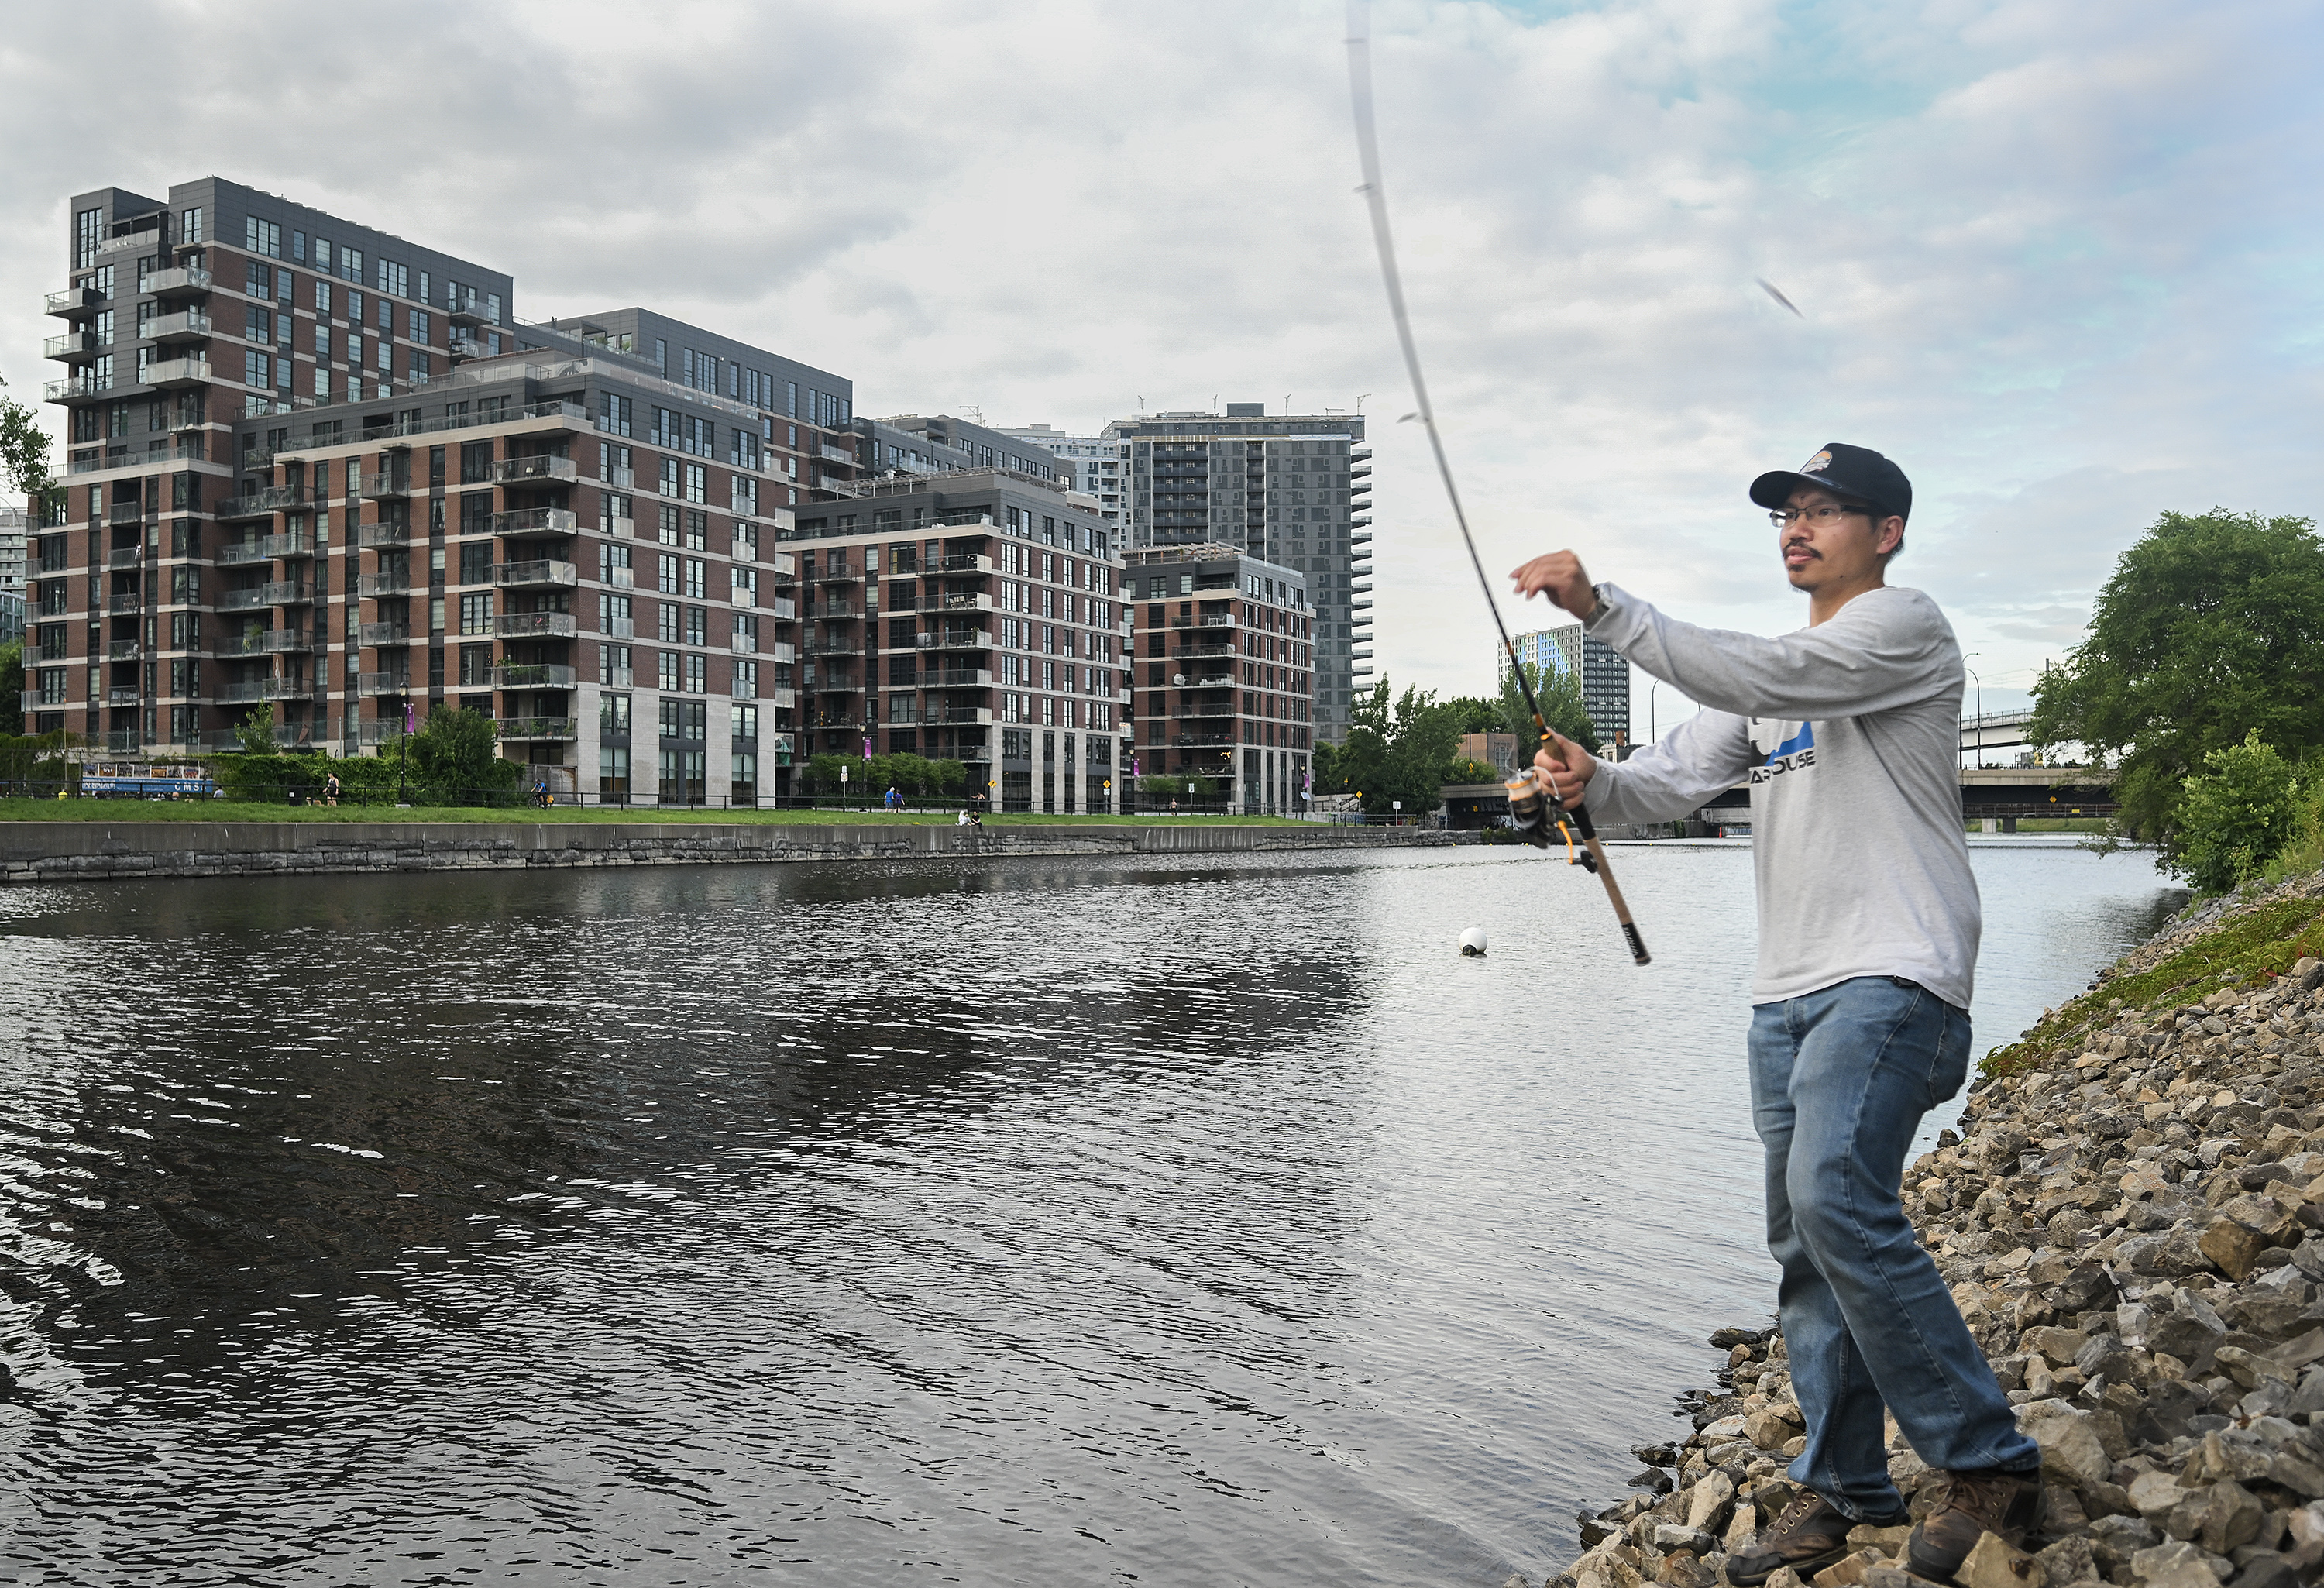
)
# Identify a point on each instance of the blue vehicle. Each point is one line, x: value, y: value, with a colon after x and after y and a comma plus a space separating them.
x: 137, y: 779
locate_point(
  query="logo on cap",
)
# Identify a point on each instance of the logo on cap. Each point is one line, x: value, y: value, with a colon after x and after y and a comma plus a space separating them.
x: 1818, y: 464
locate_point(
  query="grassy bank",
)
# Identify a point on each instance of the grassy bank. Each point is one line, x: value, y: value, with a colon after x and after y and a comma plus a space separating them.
x: 225, y: 810
x: 2241, y: 940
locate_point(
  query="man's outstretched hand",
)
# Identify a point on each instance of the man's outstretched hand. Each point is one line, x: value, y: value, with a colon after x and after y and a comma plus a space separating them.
x: 1559, y: 576
x: 1571, y: 766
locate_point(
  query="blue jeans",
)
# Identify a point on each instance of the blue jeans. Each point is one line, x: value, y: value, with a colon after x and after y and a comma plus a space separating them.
x: 1839, y: 1080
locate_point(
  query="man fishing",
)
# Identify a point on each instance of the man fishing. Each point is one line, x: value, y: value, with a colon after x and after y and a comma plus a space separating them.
x: 1848, y: 732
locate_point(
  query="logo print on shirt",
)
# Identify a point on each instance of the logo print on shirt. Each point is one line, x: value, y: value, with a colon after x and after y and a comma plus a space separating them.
x: 1794, y: 754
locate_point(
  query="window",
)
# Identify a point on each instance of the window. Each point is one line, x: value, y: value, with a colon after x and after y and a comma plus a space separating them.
x: 258, y: 280
x: 666, y: 679
x: 670, y: 487
x: 746, y: 590
x: 614, y: 611
x: 416, y: 326
x: 261, y: 237
x: 666, y: 580
x: 613, y: 772
x: 614, y: 514
x: 613, y: 668
x: 615, y: 414
x: 476, y: 561
x: 697, y: 682
x: 613, y: 464
x: 746, y: 634
x: 475, y: 667
x: 476, y: 614
x: 258, y: 325
x: 668, y: 531
x: 351, y: 268
x: 393, y: 278
x: 475, y: 462
x: 746, y: 544
x: 613, y: 710
x: 257, y: 370
x: 743, y: 720
x: 322, y: 300
x: 697, y: 483
x: 189, y: 225
x: 744, y: 495
x: 614, y: 566
x: 667, y: 629
x: 698, y: 625
x: 699, y: 437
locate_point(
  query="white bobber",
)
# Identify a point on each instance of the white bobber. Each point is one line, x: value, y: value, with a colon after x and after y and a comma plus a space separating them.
x: 1472, y: 943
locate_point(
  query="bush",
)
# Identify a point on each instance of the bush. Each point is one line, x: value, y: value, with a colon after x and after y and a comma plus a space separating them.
x: 2237, y: 817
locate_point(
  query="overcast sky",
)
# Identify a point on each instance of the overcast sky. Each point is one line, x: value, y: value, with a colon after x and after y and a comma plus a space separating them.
x: 2056, y: 259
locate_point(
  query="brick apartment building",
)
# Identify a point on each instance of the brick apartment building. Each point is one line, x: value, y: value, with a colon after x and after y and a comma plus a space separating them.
x: 1226, y: 643
x: 975, y: 616
x: 317, y: 471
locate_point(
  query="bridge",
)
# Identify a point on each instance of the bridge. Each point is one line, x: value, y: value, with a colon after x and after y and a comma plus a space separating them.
x: 1996, y: 730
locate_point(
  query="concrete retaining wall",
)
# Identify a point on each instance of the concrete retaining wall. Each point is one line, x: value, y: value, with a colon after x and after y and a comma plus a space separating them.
x: 59, y: 852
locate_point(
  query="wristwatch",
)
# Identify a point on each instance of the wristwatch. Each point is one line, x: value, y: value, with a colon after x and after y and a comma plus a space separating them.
x: 1598, y: 610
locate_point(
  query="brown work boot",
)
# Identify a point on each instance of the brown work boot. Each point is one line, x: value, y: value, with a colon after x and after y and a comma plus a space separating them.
x: 1810, y: 1535
x: 1971, y: 1505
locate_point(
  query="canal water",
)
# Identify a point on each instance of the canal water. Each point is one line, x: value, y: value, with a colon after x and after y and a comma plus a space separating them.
x: 1024, y: 1221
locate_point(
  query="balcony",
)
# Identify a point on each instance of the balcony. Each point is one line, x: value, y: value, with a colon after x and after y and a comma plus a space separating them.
x: 838, y: 683
x: 977, y: 564
x: 1198, y: 741
x: 778, y: 650
x: 377, y: 634
x: 512, y: 575
x: 178, y: 372
x: 538, y: 728
x: 833, y: 648
x: 781, y: 608
x: 958, y: 640
x: 243, y: 553
x: 976, y: 715
x: 147, y: 237
x: 559, y: 625
x: 618, y: 628
x: 386, y: 484
x: 371, y: 535
x: 619, y: 524
x: 73, y: 388
x: 185, y: 325
x: 72, y: 303
x: 286, y: 546
x: 395, y: 582
x: 260, y: 503
x: 837, y: 611
x: 382, y: 683
x: 462, y: 347
x: 839, y: 573
x: 129, y: 696
x: 124, y: 651
x: 971, y: 602
x: 1214, y: 620
x: 782, y: 699
x: 958, y: 678
x: 534, y: 471
x: 283, y: 593
x: 128, y: 557
x: 619, y: 579
x: 125, y: 604
x: 182, y: 282
x: 72, y: 344
x: 830, y: 454
x: 264, y: 643
x: 533, y: 675
x: 469, y: 315
x: 264, y: 689
x: 539, y: 521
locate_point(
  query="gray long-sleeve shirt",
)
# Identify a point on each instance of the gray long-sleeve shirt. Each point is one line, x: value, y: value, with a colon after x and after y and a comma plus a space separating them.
x: 1849, y: 734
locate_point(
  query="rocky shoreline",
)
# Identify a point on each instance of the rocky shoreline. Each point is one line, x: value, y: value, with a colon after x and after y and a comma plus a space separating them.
x: 2132, y: 1223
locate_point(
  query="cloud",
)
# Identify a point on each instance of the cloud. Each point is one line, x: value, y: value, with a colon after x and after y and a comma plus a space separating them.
x: 2055, y: 259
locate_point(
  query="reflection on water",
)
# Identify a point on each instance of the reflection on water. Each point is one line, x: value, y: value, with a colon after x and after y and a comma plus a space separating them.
x: 1019, y: 1222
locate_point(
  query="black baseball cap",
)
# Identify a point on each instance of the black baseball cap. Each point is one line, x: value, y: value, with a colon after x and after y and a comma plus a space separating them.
x: 1855, y: 472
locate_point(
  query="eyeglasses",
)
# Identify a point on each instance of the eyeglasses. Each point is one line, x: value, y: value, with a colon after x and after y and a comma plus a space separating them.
x: 1823, y: 517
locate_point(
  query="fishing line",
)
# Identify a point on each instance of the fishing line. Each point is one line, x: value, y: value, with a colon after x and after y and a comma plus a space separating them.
x: 1534, y: 813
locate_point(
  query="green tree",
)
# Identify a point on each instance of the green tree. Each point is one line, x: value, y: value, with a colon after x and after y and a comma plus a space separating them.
x: 24, y: 450
x: 1473, y: 713
x: 1559, y: 694
x: 1397, y: 748
x: 2211, y: 628
x: 12, y: 688
x: 2238, y: 816
x: 456, y: 760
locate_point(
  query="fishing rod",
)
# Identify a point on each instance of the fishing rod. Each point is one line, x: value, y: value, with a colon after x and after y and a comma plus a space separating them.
x: 1534, y: 814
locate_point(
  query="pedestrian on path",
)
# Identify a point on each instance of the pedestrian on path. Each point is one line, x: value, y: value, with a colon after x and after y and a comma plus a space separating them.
x: 1848, y: 731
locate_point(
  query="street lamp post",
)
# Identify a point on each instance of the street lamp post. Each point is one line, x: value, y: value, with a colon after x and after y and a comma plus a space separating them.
x: 1980, y: 713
